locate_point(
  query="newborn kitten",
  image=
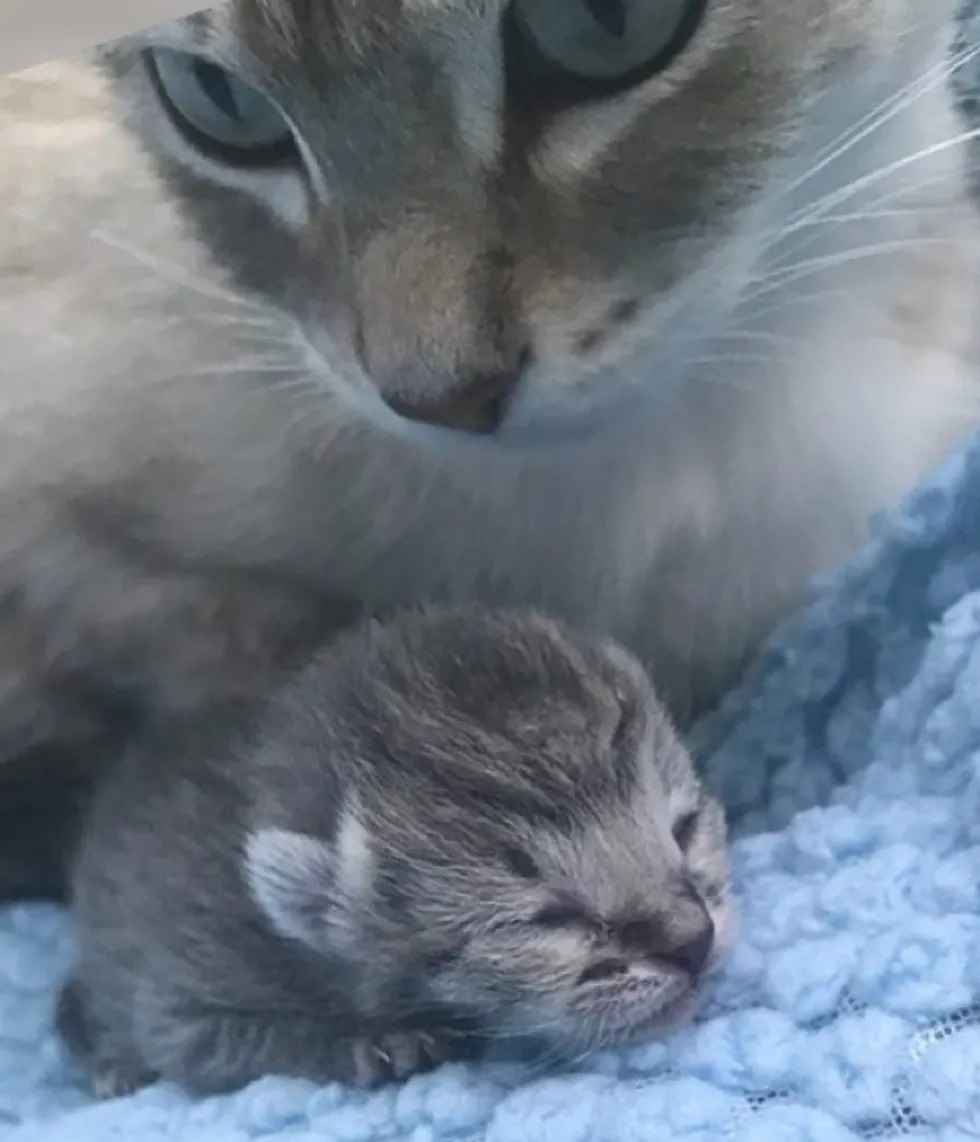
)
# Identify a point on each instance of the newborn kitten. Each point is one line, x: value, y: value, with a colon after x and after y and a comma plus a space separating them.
x: 453, y: 829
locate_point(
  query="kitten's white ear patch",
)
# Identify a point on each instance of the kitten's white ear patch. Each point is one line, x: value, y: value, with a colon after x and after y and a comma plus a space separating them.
x: 354, y: 859
x: 292, y: 878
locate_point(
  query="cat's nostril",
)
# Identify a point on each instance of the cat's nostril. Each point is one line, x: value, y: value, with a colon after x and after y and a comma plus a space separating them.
x: 478, y: 406
x: 603, y: 969
x: 692, y: 953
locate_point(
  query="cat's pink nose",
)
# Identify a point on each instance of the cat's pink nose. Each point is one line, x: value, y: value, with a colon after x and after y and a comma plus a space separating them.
x: 478, y: 406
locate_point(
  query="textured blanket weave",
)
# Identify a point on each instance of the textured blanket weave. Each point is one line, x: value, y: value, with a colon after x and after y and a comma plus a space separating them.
x: 851, y: 1007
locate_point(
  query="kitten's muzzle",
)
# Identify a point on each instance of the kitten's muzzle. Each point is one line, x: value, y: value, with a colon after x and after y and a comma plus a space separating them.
x: 682, y: 940
x: 692, y: 954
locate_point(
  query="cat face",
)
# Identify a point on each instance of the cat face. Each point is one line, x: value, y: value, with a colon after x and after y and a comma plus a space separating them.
x: 479, y: 213
x: 525, y: 848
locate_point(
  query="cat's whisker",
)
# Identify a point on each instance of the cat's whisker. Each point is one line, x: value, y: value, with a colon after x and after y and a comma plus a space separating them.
x: 303, y: 385
x: 254, y: 369
x: 778, y: 279
x: 237, y: 369
x: 848, y: 191
x: 876, y: 209
x: 249, y: 321
x: 872, y: 215
x: 288, y: 349
x: 757, y: 336
x: 271, y: 331
x: 173, y: 273
x: 815, y: 231
x: 724, y: 379
x: 797, y: 299
x: 256, y: 335
x: 886, y: 111
x: 966, y: 409
x: 733, y: 359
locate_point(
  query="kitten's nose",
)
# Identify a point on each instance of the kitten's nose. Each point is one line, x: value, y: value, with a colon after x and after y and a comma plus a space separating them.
x: 691, y: 952
x: 477, y: 406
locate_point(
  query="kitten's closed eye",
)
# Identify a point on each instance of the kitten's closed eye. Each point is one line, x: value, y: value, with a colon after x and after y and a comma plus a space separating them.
x: 521, y: 864
x: 685, y: 828
x: 560, y: 914
x: 603, y: 970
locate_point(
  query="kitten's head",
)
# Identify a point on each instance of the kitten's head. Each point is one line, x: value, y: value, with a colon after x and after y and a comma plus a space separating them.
x: 479, y: 213
x: 523, y: 847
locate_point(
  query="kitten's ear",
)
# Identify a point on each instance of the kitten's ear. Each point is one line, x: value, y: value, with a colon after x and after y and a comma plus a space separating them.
x: 293, y: 879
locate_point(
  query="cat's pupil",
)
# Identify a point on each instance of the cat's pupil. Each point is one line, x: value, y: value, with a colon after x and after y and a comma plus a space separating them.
x: 216, y: 85
x: 610, y: 15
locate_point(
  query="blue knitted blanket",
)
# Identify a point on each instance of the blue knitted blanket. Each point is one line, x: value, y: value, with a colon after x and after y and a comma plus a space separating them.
x: 851, y: 1006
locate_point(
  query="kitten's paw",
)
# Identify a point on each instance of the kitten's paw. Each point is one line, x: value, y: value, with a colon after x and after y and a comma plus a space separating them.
x: 396, y: 1056
x: 118, y: 1079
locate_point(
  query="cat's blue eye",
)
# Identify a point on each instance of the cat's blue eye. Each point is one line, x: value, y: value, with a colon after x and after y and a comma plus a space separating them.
x: 218, y: 111
x: 594, y: 47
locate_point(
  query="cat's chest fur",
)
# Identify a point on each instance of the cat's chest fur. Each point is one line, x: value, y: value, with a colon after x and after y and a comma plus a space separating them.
x: 161, y: 492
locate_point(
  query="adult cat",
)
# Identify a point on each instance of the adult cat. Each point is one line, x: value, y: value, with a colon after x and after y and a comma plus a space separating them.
x: 633, y: 312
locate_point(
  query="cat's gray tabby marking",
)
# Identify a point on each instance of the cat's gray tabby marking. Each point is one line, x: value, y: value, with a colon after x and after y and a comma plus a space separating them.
x: 453, y: 830
x: 240, y: 401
